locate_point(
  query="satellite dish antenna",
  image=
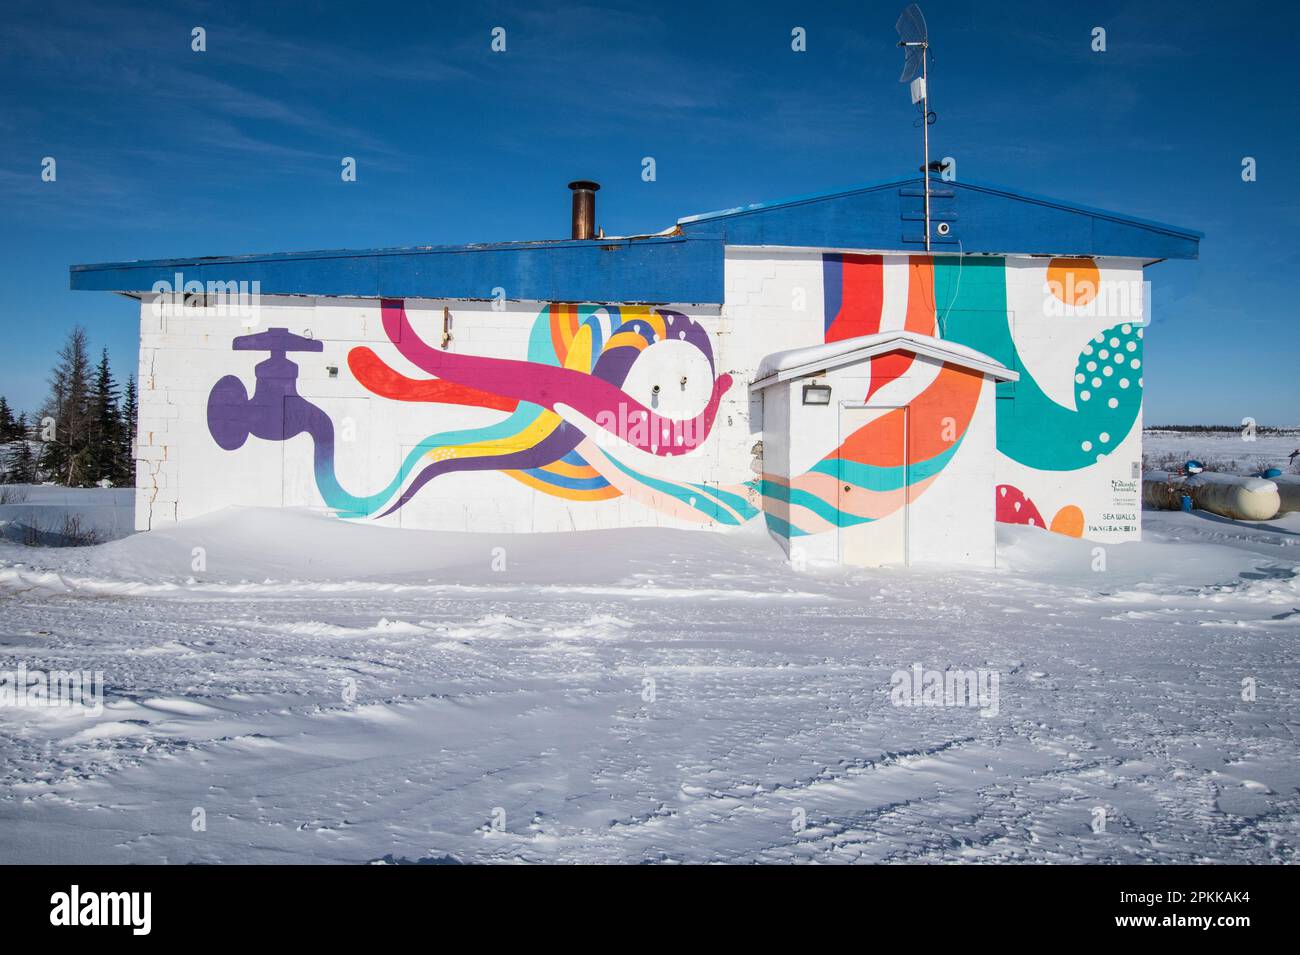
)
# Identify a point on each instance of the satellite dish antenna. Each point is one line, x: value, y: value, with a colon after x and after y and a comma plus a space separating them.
x: 914, y: 38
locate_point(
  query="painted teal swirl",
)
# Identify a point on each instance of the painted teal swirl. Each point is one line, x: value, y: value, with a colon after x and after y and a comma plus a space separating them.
x: 1032, y: 428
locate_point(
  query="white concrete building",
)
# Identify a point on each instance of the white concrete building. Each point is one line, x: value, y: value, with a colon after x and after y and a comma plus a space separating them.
x: 612, y: 382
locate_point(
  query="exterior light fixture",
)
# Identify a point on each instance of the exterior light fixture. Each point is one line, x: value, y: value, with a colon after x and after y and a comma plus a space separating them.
x: 816, y: 394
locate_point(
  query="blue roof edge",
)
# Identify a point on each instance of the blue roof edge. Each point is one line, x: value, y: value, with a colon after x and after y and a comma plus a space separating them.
x: 979, y: 186
x: 254, y: 257
x: 795, y: 200
x: 663, y: 269
x: 684, y: 265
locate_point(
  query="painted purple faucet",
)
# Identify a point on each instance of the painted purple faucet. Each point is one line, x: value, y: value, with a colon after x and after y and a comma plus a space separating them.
x: 276, y: 412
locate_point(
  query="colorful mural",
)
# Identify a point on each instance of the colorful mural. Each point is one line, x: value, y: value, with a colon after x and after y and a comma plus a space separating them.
x: 1014, y: 507
x: 870, y: 460
x: 578, y: 359
x: 965, y: 296
x: 853, y: 290
x: 964, y: 299
x: 568, y: 428
x: 1042, y: 434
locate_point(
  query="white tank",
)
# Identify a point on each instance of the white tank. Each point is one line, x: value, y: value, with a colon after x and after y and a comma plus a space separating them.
x: 1163, y: 491
x: 1288, y: 489
x: 1228, y: 495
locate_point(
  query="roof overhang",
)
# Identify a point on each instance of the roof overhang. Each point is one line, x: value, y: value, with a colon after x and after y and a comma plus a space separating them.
x: 817, y: 359
x: 653, y: 270
x: 979, y: 218
x: 684, y: 265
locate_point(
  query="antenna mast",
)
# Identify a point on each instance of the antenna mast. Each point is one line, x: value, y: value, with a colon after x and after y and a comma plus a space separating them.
x: 915, y: 41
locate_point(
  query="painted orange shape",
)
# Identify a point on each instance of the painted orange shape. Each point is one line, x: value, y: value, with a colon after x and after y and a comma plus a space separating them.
x: 1068, y: 521
x: 1073, y: 281
x: 371, y: 371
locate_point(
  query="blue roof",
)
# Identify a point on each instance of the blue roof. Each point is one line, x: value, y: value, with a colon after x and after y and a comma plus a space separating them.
x: 685, y: 266
x: 982, y: 218
x: 654, y: 269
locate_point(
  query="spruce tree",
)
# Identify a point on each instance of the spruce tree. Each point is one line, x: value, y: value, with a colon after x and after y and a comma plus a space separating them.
x: 8, y: 447
x: 7, y: 423
x: 126, y: 436
x: 105, y: 425
x: 24, y: 462
x: 65, y: 455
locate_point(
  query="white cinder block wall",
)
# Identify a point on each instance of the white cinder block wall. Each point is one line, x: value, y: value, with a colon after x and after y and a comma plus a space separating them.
x: 774, y: 300
x: 184, y: 474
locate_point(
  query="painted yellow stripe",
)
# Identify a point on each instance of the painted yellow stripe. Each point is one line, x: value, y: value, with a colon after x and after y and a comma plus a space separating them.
x: 564, y: 469
x: 626, y: 338
x: 656, y: 321
x: 568, y: 493
x: 578, y: 356
x: 546, y: 422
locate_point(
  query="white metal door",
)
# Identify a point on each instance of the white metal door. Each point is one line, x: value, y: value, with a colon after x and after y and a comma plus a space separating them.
x: 872, y: 499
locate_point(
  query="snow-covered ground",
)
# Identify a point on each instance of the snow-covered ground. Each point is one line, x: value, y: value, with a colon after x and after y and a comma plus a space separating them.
x: 49, y: 515
x: 503, y: 712
x: 1236, y: 452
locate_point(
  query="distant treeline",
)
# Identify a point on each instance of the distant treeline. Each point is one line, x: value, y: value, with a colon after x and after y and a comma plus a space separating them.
x: 1220, y: 428
x: 83, y: 435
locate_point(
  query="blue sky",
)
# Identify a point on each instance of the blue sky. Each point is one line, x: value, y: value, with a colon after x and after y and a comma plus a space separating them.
x: 165, y: 152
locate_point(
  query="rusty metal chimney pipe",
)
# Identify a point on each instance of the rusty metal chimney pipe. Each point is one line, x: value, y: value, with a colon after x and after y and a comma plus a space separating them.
x: 584, y: 208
